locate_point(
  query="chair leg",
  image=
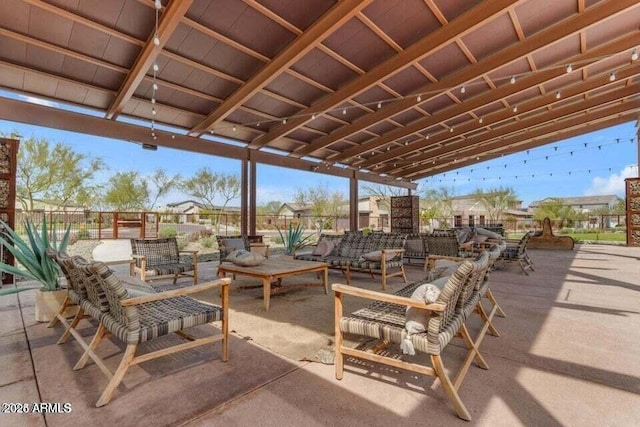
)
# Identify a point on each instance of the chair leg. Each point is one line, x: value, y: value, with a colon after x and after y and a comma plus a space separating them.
x: 452, y: 393
x: 100, y: 333
x: 487, y: 318
x: 225, y: 322
x: 339, y: 358
x: 79, y: 316
x: 117, y: 377
x: 347, y: 273
x: 66, y: 303
x: 404, y: 276
x: 195, y: 269
x: 493, y: 301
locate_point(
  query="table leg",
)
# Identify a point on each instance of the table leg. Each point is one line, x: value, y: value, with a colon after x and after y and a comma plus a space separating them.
x: 266, y: 291
x: 325, y: 279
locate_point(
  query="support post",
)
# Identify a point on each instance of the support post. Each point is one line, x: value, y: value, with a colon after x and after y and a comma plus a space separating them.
x: 353, y: 203
x: 244, y: 189
x: 252, y: 198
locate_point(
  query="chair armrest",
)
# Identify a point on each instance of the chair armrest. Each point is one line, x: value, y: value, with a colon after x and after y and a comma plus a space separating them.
x: 135, y: 257
x: 379, y: 296
x: 393, y: 251
x: 429, y: 262
x: 220, y: 283
x: 187, y: 252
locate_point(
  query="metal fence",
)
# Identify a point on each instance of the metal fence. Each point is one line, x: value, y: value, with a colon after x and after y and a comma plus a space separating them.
x: 124, y: 225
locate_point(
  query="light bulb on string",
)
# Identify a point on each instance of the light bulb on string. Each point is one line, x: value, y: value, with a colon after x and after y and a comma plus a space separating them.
x: 480, y: 120
x: 515, y: 108
x: 154, y: 86
x: 156, y: 39
x: 612, y: 76
x: 634, y: 55
x: 558, y: 94
x: 419, y: 98
x: 158, y: 4
x: 512, y: 80
x: 463, y: 89
x: 379, y: 105
x: 155, y: 67
x: 569, y: 68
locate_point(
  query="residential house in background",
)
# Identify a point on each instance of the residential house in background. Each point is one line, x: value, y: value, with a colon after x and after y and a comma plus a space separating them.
x: 469, y: 211
x: 191, y: 211
x: 373, y: 212
x: 591, y: 205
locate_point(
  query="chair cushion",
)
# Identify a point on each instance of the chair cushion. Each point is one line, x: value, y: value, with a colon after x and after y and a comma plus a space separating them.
x: 245, y: 258
x: 490, y: 234
x: 324, y: 248
x: 480, y: 238
x: 233, y: 244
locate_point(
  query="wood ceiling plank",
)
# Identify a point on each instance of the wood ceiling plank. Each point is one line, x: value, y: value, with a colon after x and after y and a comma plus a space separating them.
x: 463, y: 25
x: 538, y: 41
x: 327, y: 24
x: 169, y: 21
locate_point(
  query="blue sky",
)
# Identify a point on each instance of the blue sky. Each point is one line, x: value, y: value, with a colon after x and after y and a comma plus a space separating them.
x: 549, y: 171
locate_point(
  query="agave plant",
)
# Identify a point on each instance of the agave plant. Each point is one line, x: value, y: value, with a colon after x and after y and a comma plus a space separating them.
x: 31, y: 255
x: 292, y: 238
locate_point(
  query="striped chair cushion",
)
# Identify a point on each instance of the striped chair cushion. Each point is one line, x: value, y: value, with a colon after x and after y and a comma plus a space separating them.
x: 169, y: 269
x: 163, y: 317
x: 374, y: 265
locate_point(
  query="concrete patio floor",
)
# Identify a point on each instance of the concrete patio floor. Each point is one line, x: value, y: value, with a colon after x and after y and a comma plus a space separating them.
x: 567, y: 355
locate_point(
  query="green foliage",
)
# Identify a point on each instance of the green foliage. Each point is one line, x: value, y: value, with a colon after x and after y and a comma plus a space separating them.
x: 293, y: 238
x: 182, y: 243
x: 162, y: 185
x: 127, y: 191
x: 438, y: 204
x: 366, y: 231
x: 207, y: 186
x: 31, y: 254
x: 56, y: 174
x: 207, y: 242
x: 496, y: 201
x: 321, y: 203
x: 82, y: 234
x: 166, y: 232
x: 556, y: 211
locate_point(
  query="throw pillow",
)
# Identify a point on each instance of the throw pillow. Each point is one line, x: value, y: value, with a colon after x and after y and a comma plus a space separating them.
x: 245, y: 258
x: 463, y: 235
x: 324, y: 248
x: 375, y: 256
x: 416, y: 319
x: 444, y: 267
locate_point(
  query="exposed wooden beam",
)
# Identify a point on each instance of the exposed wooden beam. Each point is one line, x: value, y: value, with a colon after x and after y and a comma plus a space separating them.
x: 536, y: 42
x: 428, y: 44
x: 329, y: 22
x: 532, y: 125
x: 40, y: 115
x: 594, y: 56
x: 169, y: 21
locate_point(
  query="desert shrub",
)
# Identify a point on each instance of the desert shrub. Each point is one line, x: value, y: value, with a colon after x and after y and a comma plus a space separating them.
x: 206, y: 233
x: 207, y: 242
x: 194, y: 237
x: 167, y: 232
x: 182, y: 243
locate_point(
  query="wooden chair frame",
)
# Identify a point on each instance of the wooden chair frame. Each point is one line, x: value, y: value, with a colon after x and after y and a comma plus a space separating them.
x: 141, y: 264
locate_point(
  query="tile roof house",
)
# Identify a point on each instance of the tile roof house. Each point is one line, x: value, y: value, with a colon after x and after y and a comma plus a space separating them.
x: 581, y: 204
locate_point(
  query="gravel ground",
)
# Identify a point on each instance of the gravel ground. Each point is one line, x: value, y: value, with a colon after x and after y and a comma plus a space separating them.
x: 83, y: 248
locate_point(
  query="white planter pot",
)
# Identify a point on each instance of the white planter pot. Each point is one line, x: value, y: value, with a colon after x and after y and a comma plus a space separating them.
x: 48, y: 303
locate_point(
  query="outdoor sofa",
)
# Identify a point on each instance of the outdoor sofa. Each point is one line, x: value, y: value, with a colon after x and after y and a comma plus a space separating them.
x: 375, y: 253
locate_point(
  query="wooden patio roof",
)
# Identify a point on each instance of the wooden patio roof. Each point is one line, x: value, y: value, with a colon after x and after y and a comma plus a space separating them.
x: 388, y: 91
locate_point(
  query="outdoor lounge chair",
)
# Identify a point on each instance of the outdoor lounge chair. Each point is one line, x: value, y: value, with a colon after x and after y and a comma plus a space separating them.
x: 140, y: 319
x: 516, y: 251
x: 228, y: 244
x: 384, y: 320
x: 157, y: 259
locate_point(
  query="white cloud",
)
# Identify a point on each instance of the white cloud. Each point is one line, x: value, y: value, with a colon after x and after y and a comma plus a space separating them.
x: 613, y: 184
x: 38, y: 101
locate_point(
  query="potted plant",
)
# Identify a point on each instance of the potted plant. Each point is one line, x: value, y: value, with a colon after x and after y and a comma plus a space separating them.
x: 36, y: 265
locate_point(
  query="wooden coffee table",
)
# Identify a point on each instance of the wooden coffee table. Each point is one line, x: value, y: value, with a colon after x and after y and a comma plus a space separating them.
x: 273, y: 270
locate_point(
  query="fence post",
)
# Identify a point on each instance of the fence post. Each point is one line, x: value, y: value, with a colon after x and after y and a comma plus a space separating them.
x: 100, y: 225
x: 115, y: 225
x: 157, y: 224
x: 143, y: 225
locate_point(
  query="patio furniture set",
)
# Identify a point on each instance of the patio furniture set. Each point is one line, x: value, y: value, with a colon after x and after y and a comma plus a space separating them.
x: 423, y: 316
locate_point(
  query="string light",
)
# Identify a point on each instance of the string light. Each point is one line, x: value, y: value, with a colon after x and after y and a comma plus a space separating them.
x: 569, y: 68
x: 379, y: 105
x: 612, y: 76
x: 463, y: 89
x: 480, y: 120
x: 515, y: 108
x: 513, y: 80
x: 634, y: 55
x: 558, y: 94
x: 419, y: 98
x: 284, y: 121
x: 344, y: 111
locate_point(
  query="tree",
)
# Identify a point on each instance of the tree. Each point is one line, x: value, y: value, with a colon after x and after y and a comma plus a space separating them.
x: 269, y: 210
x: 496, y: 201
x: 384, y: 193
x: 207, y: 186
x: 322, y: 203
x: 59, y: 174
x: 555, y: 210
x: 438, y: 205
x: 127, y: 191
x: 162, y: 185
